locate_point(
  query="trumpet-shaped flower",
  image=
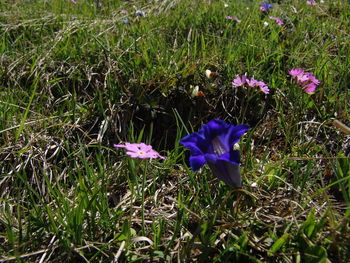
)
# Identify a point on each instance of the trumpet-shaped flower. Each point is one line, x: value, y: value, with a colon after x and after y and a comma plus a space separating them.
x: 139, y: 150
x: 265, y: 7
x: 214, y: 144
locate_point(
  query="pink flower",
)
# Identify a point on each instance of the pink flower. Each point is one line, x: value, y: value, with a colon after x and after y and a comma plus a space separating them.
x: 139, y: 150
x: 306, y: 80
x: 296, y: 71
x: 278, y: 20
x: 264, y: 88
x: 299, y: 74
x: 311, y: 2
x: 302, y: 78
x: 73, y: 1
x: 312, y: 78
x: 99, y: 4
x: 123, y: 11
x: 239, y: 81
x: 252, y: 82
x: 234, y: 18
x: 310, y: 88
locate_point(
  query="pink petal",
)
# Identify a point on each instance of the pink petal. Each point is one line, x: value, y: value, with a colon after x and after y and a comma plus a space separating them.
x: 252, y: 82
x: 310, y: 88
x: 295, y: 72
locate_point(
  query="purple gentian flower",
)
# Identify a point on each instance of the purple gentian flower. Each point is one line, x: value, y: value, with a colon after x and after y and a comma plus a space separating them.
x: 265, y: 7
x: 213, y: 144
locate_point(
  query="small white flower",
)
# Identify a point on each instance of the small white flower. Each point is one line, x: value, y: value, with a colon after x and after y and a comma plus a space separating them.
x: 266, y: 24
x: 194, y: 91
x: 253, y: 184
x: 208, y: 74
x: 225, y: 5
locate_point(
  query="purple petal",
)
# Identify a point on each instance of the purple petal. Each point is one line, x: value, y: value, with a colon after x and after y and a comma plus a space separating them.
x: 310, y: 88
x: 233, y: 134
x: 197, y: 162
x: 226, y: 172
x: 213, y: 128
x: 195, y: 143
x: 296, y: 72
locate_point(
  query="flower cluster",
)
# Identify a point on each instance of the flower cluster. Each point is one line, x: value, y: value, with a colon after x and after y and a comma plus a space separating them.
x: 138, y: 13
x: 253, y: 83
x: 214, y: 145
x: 265, y: 7
x: 139, y: 150
x: 278, y: 20
x: 305, y: 79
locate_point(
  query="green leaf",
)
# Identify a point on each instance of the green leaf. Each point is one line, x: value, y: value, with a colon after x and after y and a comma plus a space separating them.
x: 278, y: 244
x: 315, y: 254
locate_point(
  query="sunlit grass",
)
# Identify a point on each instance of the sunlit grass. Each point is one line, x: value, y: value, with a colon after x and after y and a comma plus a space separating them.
x: 76, y: 79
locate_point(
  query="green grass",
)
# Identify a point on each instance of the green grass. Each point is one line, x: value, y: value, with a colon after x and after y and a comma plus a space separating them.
x: 75, y: 79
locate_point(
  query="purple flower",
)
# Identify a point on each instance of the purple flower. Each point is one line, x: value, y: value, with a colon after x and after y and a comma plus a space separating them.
x: 306, y: 80
x: 311, y: 2
x: 73, y: 1
x: 312, y: 78
x: 264, y: 88
x: 124, y: 12
x: 278, y: 20
x: 265, y: 7
x: 310, y: 88
x: 125, y: 20
x: 252, y: 82
x: 139, y: 150
x: 213, y: 144
x: 239, y: 81
x: 99, y: 4
x: 295, y: 72
x: 234, y: 18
